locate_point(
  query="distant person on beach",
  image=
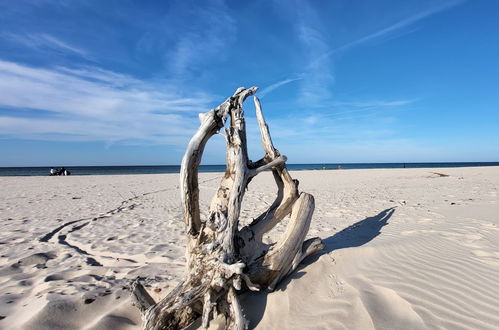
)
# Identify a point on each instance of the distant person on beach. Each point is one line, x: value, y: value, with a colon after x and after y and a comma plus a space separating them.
x: 59, y: 171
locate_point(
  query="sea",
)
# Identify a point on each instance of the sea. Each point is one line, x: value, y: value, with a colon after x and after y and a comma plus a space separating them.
x: 162, y: 169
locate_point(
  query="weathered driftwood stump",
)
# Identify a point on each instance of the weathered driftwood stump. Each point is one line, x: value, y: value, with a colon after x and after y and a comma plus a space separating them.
x: 221, y: 259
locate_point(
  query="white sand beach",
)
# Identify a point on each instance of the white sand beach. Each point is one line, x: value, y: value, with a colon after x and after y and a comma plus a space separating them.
x: 405, y: 249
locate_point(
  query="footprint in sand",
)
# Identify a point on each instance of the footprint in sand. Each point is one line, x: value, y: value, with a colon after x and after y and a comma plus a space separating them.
x: 38, y: 259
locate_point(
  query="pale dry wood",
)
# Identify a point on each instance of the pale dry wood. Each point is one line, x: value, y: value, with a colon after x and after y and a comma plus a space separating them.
x: 221, y: 259
x: 284, y: 181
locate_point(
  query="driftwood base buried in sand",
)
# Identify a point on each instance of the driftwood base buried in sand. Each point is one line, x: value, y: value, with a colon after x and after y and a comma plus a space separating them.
x: 221, y: 259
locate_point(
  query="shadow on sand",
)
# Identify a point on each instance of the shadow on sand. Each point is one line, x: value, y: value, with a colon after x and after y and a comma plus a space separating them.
x: 358, y: 234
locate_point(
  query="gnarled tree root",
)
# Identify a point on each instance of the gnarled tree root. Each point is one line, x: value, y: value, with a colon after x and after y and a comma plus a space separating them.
x: 221, y: 259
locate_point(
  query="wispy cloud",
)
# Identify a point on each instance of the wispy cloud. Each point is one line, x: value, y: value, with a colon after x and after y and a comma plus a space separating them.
x: 371, y: 103
x: 203, y: 34
x: 329, y: 138
x: 56, y: 43
x: 391, y: 29
x: 45, y: 41
x: 94, y: 105
x: 344, y: 122
x: 349, y: 118
x: 276, y: 85
x: 317, y: 79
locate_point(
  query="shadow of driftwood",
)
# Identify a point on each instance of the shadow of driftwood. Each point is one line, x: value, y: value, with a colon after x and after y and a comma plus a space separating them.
x: 355, y: 235
x: 361, y: 232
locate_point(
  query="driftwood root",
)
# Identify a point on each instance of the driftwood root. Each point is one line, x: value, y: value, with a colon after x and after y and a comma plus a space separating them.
x: 223, y: 260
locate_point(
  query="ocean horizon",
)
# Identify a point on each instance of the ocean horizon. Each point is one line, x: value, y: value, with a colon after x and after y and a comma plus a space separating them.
x: 164, y: 169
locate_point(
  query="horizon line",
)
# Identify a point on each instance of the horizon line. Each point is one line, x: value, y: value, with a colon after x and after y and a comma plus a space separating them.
x: 320, y: 163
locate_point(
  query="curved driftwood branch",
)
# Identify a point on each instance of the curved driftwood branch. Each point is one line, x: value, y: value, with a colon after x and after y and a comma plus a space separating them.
x: 222, y: 260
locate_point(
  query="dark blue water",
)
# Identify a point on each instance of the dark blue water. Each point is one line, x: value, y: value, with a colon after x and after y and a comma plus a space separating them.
x: 109, y: 170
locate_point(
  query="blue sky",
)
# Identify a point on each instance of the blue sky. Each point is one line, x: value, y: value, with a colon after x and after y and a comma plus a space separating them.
x: 121, y: 82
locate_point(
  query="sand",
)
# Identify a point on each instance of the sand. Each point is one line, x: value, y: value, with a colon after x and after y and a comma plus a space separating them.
x: 405, y: 249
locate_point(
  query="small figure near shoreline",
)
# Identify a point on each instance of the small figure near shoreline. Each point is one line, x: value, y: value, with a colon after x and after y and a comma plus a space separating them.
x: 59, y: 171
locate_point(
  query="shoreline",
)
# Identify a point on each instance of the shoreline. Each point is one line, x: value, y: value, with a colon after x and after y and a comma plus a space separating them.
x: 160, y: 169
x: 268, y: 171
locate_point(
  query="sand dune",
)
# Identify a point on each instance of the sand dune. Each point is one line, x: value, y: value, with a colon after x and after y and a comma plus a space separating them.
x: 405, y: 248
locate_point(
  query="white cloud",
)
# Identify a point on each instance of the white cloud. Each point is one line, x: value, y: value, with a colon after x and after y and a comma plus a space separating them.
x: 390, y: 30
x: 316, y: 88
x: 203, y: 34
x: 45, y: 41
x: 276, y: 85
x: 374, y: 103
x: 94, y: 105
x: 318, y: 76
x: 56, y: 43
